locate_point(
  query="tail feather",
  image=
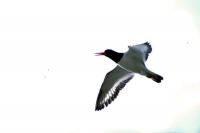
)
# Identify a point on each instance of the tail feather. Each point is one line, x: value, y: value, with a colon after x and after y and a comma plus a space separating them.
x: 155, y: 77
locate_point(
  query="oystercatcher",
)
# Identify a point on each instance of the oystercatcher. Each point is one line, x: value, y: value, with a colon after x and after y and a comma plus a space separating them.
x: 129, y: 63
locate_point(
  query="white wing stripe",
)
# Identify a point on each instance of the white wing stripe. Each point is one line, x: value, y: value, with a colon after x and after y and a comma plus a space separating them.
x: 113, y: 83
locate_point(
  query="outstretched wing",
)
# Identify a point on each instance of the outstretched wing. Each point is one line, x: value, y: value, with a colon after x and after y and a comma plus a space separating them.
x: 145, y: 48
x: 114, y: 81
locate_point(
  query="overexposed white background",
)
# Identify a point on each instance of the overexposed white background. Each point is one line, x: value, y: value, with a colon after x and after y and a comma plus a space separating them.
x: 50, y: 78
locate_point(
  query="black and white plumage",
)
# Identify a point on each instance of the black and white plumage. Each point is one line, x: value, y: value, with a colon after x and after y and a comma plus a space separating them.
x: 133, y: 61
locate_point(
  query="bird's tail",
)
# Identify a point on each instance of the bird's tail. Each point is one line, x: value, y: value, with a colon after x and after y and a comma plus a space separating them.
x: 155, y: 77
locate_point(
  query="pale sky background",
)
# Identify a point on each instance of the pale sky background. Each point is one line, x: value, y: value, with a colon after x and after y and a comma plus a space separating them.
x: 50, y: 78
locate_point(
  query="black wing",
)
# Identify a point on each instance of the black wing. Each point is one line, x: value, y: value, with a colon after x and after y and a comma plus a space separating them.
x: 114, y: 81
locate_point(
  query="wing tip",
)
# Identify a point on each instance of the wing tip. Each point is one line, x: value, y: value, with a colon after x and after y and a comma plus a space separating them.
x: 149, y: 46
x: 99, y: 107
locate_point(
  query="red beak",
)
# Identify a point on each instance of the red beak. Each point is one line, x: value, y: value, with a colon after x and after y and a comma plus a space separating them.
x: 101, y: 53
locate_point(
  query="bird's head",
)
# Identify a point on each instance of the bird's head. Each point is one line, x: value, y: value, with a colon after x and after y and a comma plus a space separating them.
x: 115, y: 56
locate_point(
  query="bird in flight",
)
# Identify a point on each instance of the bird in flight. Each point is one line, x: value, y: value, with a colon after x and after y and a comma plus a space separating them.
x: 129, y: 63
